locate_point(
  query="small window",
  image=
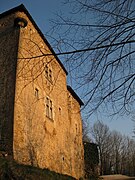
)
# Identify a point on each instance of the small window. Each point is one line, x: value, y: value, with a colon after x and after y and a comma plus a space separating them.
x: 49, y: 108
x: 59, y: 111
x: 36, y: 93
x: 76, y: 128
x: 48, y: 73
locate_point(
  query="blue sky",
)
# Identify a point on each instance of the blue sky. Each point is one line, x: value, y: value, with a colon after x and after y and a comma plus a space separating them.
x: 44, y: 10
x: 41, y: 10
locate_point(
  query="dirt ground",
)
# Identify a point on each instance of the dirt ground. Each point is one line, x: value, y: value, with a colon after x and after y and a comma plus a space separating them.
x: 117, y: 177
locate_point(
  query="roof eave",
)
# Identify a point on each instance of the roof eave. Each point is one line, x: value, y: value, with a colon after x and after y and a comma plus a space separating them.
x: 75, y: 95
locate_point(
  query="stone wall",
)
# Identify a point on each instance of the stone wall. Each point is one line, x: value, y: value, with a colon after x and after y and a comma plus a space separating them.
x: 77, y: 151
x: 9, y: 36
x: 51, y: 141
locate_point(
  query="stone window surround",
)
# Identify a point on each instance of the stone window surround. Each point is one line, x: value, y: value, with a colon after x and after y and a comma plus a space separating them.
x: 49, y: 107
x: 48, y: 73
x: 36, y: 92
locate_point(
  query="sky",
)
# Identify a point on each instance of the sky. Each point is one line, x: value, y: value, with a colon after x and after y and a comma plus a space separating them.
x: 42, y: 12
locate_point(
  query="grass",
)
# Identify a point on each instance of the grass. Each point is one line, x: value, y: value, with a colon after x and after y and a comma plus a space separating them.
x: 9, y: 169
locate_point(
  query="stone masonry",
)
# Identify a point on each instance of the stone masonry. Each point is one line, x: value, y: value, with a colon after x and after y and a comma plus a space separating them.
x: 40, y: 120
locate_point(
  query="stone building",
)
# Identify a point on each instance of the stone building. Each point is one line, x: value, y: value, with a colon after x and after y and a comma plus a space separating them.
x: 91, y: 160
x: 40, y: 120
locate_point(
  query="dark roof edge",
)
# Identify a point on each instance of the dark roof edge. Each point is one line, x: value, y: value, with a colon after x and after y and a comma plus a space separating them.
x: 75, y: 95
x: 22, y: 8
x: 90, y: 143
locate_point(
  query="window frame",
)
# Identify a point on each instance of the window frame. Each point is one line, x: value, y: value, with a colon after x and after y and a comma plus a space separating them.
x: 48, y: 73
x: 49, y: 108
x: 36, y: 93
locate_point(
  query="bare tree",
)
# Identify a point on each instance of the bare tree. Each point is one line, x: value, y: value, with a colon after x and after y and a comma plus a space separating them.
x: 117, y: 152
x: 99, y: 37
x: 101, y: 134
x: 86, y: 131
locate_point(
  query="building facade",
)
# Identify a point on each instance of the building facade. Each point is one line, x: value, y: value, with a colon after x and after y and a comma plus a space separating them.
x: 40, y: 120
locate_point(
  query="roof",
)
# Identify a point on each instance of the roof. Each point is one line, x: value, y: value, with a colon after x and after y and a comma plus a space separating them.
x: 91, y: 154
x: 21, y: 8
x: 75, y: 95
x: 89, y: 143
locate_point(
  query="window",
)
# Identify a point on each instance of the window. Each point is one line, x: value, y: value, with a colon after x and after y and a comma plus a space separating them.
x: 76, y: 128
x: 59, y: 111
x: 48, y: 73
x: 49, y: 108
x: 36, y: 93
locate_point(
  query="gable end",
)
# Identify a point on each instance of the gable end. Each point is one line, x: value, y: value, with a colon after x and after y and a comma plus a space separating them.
x: 21, y: 8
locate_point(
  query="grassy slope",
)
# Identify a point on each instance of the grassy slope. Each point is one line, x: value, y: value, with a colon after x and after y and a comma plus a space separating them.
x: 9, y: 169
